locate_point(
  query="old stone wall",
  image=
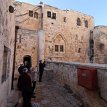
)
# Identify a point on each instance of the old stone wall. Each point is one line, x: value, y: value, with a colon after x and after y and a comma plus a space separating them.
x: 26, y: 44
x: 100, y: 44
x: 25, y: 18
x: 28, y: 19
x: 7, y: 34
x: 72, y: 39
x: 66, y: 74
x: 64, y: 31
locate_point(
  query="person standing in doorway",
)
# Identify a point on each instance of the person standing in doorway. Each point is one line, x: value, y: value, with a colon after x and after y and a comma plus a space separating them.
x: 27, y: 65
x: 41, y: 69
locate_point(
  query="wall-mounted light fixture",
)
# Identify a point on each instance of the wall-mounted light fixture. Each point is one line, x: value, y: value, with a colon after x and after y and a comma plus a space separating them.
x: 11, y: 9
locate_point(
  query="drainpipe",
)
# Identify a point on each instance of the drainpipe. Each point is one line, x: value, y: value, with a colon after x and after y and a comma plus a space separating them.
x: 14, y: 59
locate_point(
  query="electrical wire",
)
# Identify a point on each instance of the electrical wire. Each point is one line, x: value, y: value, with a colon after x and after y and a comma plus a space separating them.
x: 21, y: 15
x: 25, y: 14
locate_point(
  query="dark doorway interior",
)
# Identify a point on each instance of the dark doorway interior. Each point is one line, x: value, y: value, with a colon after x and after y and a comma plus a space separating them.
x: 27, y: 61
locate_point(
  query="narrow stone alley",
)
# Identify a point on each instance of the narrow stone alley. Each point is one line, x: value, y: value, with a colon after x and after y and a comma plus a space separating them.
x: 72, y: 46
x: 50, y: 94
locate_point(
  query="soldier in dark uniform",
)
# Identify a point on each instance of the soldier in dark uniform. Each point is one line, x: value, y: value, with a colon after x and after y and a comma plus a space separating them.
x: 41, y: 69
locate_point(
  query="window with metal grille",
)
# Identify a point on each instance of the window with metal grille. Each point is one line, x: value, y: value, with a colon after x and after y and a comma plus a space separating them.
x: 61, y: 48
x: 49, y: 14
x: 30, y: 13
x: 56, y: 48
x: 53, y: 15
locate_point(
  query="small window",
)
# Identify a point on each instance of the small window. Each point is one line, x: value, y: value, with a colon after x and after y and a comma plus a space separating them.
x: 78, y: 22
x: 48, y: 14
x: 86, y: 23
x: 61, y: 48
x: 79, y: 50
x: 30, y: 13
x: 19, y: 39
x: 56, y: 48
x: 53, y: 15
x: 42, y: 15
x: 5, y: 62
x: 36, y: 15
x: 65, y: 19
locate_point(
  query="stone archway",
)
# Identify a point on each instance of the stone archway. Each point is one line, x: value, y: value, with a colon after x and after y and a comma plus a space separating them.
x: 27, y: 60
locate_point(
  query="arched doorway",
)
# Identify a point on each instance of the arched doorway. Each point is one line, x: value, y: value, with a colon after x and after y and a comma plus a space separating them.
x: 27, y: 61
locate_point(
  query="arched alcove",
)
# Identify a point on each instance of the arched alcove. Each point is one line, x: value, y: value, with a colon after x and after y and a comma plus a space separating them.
x: 27, y: 60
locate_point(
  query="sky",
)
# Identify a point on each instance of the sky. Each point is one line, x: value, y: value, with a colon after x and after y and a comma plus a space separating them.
x: 95, y: 8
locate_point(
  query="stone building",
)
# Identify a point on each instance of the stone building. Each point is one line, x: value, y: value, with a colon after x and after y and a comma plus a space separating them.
x: 28, y: 22
x: 7, y: 34
x: 66, y: 34
x: 46, y: 32
x: 100, y: 44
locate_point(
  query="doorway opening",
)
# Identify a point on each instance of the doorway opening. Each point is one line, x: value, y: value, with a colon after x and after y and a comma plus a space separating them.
x: 27, y: 61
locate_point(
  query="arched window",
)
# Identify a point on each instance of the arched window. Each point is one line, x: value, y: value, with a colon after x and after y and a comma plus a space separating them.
x: 86, y: 23
x: 78, y: 22
x: 59, y: 44
x: 49, y: 14
x: 31, y: 13
x: 36, y: 15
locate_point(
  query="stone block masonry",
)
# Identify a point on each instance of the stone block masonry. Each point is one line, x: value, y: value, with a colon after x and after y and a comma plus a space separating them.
x: 7, y: 35
x: 61, y: 38
x: 66, y: 74
x: 26, y: 44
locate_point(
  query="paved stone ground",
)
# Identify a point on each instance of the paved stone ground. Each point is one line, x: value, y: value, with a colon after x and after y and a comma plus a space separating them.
x: 49, y: 94
x: 52, y: 94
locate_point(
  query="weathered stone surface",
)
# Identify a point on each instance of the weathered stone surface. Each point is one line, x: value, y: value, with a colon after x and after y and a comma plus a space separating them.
x: 100, y: 44
x: 66, y: 74
x: 68, y: 34
x: 7, y: 35
x: 52, y: 94
x: 26, y: 46
x: 53, y: 32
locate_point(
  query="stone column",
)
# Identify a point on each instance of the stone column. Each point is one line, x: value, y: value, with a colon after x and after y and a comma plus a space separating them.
x: 40, y: 45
